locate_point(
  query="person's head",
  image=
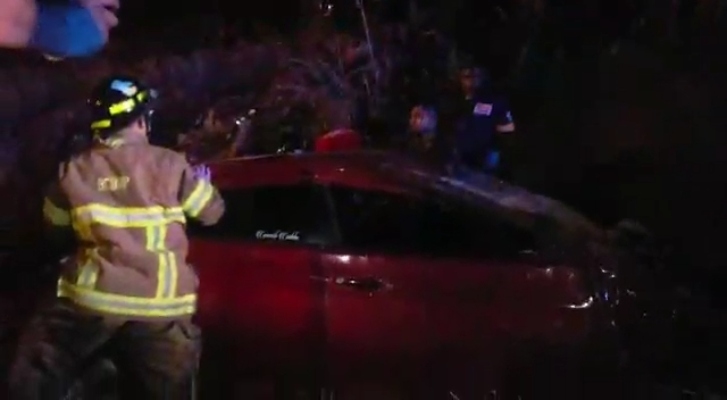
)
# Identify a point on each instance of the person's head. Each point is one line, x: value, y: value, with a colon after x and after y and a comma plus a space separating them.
x: 335, y: 114
x: 210, y: 122
x: 471, y: 78
x: 423, y: 120
x: 60, y: 28
x: 121, y: 109
x: 217, y: 122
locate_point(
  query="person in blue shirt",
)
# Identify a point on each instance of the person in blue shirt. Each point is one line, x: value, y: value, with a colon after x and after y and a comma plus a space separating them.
x: 479, y: 121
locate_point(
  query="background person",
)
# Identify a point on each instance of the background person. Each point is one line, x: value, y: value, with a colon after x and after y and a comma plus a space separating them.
x: 72, y: 28
x: 479, y: 121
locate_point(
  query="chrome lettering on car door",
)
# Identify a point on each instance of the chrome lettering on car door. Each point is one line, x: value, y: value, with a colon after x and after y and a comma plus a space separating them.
x: 278, y: 235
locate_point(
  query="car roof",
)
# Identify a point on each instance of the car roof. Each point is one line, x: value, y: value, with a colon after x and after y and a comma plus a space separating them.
x: 386, y: 171
x: 361, y: 169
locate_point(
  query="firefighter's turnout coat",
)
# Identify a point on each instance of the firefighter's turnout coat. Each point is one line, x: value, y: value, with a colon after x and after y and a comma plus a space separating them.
x: 128, y: 206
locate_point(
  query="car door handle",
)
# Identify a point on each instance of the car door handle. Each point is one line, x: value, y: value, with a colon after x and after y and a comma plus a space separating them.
x: 369, y: 285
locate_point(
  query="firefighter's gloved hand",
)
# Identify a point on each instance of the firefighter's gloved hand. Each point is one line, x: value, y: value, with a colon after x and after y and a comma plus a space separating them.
x: 202, y: 172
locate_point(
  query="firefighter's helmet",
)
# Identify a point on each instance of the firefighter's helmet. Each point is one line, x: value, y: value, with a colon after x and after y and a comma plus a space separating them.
x: 117, y: 101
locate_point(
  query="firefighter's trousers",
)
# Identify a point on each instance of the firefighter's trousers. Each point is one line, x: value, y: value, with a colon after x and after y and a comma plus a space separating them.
x: 156, y: 360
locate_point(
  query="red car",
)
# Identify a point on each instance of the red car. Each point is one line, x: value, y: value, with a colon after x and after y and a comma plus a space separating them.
x: 341, y: 269
x: 364, y: 267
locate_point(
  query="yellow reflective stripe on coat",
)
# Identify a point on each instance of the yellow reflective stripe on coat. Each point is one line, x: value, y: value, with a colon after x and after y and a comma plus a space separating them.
x: 154, y: 220
x: 167, y: 273
x: 127, y: 305
x: 55, y: 215
x: 88, y: 276
x: 127, y: 217
x: 198, y: 199
x: 88, y: 273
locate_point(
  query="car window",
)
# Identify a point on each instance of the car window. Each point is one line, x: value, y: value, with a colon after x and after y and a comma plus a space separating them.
x: 373, y: 219
x: 400, y: 222
x: 455, y: 229
x: 293, y: 214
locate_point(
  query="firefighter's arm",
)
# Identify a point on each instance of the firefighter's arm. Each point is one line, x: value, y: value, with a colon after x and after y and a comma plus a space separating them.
x: 56, y: 212
x: 507, y: 125
x: 503, y: 118
x: 199, y: 198
x: 56, y: 209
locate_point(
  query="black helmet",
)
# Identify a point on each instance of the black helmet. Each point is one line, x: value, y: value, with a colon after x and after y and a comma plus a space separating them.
x: 116, y: 102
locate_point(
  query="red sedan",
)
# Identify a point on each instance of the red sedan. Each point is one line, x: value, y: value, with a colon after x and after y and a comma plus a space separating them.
x: 362, y: 267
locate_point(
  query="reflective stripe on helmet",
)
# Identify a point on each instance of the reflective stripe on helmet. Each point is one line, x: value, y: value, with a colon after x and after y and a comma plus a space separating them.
x: 122, y: 107
x: 101, y: 124
x: 125, y: 106
x: 129, y: 104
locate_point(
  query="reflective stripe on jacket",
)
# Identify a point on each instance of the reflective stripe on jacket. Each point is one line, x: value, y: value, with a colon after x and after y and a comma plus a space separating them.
x: 128, y: 207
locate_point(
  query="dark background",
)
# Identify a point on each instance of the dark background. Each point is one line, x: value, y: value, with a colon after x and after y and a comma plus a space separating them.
x: 638, y: 134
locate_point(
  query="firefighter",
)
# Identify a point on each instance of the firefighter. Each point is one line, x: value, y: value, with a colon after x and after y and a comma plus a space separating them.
x: 127, y: 292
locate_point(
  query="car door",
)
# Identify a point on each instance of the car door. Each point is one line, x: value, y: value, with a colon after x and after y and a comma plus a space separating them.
x: 493, y: 291
x: 255, y: 271
x: 376, y: 289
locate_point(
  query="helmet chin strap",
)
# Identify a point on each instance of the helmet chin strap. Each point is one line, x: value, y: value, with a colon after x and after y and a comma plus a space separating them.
x: 147, y: 118
x: 52, y: 58
x: 125, y: 136
x: 111, y: 141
